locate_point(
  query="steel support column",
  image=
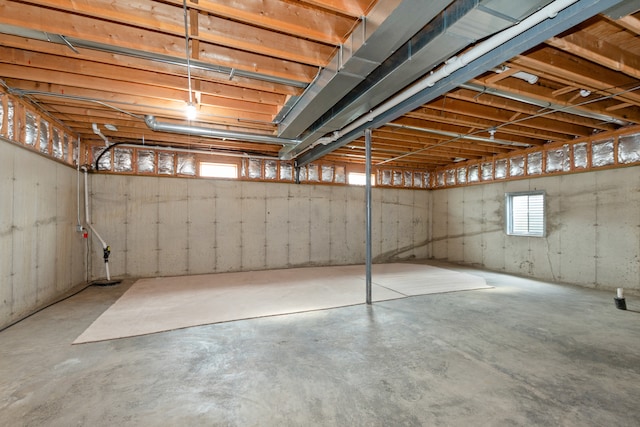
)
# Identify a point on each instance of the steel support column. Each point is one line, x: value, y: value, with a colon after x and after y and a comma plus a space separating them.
x: 367, y: 172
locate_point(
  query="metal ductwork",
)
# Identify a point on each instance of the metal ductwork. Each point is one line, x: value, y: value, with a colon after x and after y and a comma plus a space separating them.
x: 387, y: 27
x: 215, y: 133
x: 557, y: 17
x: 462, y: 23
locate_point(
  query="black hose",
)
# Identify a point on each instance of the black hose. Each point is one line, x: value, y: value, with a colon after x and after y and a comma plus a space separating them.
x: 97, y: 165
x: 140, y: 144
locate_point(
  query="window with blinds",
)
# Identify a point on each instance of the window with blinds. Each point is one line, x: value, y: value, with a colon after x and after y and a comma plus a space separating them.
x: 525, y: 214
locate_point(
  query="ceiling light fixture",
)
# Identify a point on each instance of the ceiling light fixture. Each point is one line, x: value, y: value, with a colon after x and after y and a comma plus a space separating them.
x: 585, y: 92
x: 191, y: 111
x: 492, y: 134
x: 191, y: 108
x: 111, y: 127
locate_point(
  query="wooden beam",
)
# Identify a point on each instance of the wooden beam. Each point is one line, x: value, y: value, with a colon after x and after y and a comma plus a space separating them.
x: 121, y: 35
x: 470, y: 113
x: 168, y: 19
x: 291, y: 18
x: 115, y: 72
x: 99, y: 57
x: 631, y: 23
x: 249, y: 38
x: 353, y: 8
x: 523, y: 108
x: 558, y: 66
x: 135, y: 103
x: 587, y: 46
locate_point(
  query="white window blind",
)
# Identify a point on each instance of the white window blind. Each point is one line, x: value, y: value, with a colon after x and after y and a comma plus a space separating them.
x: 525, y: 214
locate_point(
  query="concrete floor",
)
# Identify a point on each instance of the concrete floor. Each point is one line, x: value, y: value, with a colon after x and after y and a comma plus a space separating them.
x: 524, y: 353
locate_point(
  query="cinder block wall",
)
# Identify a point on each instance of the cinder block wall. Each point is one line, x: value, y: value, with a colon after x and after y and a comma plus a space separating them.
x: 41, y: 253
x: 174, y: 226
x: 593, y: 229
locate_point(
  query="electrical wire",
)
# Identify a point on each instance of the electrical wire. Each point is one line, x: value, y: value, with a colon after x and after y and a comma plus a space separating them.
x: 540, y: 114
x: 186, y: 40
x: 66, y: 297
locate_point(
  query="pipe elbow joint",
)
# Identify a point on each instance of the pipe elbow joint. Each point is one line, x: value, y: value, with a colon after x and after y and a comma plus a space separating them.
x: 150, y: 121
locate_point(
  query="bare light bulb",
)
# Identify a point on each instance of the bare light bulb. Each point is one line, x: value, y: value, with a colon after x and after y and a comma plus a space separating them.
x: 191, y: 111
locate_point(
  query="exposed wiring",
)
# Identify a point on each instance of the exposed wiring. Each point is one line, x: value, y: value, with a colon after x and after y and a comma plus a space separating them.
x: 540, y: 114
x: 25, y: 93
x: 96, y: 165
x: 74, y: 293
x: 186, y: 50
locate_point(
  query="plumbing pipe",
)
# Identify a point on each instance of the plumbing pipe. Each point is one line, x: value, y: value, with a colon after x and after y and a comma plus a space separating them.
x: 215, y: 133
x: 455, y: 63
x: 543, y: 104
x: 79, y: 225
x: 522, y: 75
x: 100, y: 134
x: 527, y: 77
x: 105, y: 248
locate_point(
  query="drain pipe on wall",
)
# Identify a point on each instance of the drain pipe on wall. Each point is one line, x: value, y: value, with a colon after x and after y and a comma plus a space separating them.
x: 106, y: 249
x: 96, y: 130
x: 79, y: 227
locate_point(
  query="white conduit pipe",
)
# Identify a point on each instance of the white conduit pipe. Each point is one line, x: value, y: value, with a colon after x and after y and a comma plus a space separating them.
x: 87, y: 219
x: 457, y: 62
x: 78, y: 191
x: 100, y: 134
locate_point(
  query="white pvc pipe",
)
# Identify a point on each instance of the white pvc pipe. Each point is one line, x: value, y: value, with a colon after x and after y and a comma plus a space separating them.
x: 78, y: 193
x: 100, y: 134
x: 87, y: 219
x: 457, y: 62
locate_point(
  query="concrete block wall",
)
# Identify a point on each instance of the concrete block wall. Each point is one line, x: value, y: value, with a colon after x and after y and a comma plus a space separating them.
x: 593, y: 229
x: 173, y: 226
x: 41, y: 253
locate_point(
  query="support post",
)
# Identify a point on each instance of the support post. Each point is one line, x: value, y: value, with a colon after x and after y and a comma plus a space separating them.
x: 367, y: 172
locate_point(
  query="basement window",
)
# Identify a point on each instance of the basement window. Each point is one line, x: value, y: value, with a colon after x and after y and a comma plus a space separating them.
x: 359, y: 178
x: 525, y: 213
x: 218, y: 170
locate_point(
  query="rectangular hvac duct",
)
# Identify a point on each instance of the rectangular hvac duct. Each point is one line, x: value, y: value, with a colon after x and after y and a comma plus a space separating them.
x: 461, y: 24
